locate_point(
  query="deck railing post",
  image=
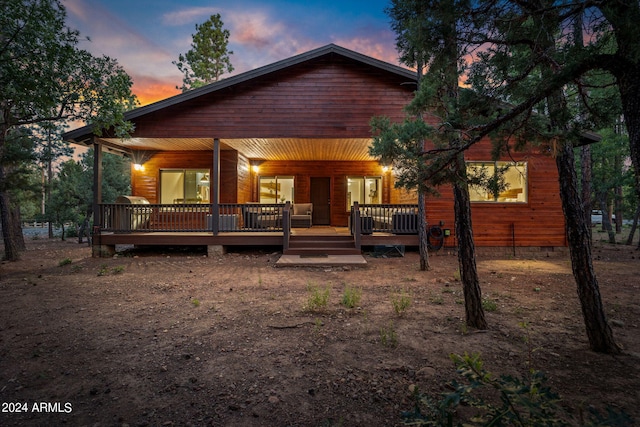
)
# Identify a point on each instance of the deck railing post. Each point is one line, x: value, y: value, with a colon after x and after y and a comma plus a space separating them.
x: 215, y: 187
x: 357, y: 225
x: 286, y: 226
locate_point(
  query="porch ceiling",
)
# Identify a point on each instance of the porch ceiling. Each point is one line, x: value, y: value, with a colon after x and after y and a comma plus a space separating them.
x: 295, y: 149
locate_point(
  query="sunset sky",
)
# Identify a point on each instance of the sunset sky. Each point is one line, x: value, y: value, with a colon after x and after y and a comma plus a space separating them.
x: 145, y: 36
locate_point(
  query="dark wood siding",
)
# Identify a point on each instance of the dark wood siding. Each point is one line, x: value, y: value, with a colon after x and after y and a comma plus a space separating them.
x: 330, y: 97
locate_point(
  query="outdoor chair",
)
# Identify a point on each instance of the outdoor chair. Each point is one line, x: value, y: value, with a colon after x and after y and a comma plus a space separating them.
x: 302, y: 215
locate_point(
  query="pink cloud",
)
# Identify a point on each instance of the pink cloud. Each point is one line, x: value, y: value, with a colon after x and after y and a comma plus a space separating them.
x: 189, y: 16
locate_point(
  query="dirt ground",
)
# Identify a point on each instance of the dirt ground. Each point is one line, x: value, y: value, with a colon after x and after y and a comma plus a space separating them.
x: 175, y: 338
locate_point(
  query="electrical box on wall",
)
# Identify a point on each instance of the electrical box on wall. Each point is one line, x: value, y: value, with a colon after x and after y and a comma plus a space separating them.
x: 447, y: 232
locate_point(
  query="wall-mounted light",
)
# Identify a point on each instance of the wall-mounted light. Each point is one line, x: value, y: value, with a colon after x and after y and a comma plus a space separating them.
x: 255, y: 168
x: 140, y: 157
x: 385, y: 169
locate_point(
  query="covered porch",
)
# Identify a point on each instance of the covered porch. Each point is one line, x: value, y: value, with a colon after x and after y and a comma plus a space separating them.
x: 218, y: 226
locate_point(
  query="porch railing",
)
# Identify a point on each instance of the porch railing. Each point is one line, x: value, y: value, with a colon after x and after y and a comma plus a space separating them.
x: 384, y: 218
x: 232, y: 217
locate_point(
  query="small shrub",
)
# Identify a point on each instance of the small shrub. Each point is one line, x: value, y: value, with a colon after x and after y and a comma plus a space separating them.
x: 104, y: 270
x: 318, y: 299
x: 389, y: 336
x: 351, y: 297
x: 400, y: 300
x: 195, y: 302
x: 504, y: 400
x: 65, y: 261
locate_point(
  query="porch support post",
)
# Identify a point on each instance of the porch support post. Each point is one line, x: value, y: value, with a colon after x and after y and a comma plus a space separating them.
x: 98, y: 250
x: 97, y: 181
x: 357, y: 225
x: 215, y: 190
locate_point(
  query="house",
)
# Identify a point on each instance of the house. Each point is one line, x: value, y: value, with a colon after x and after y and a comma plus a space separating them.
x: 238, y: 162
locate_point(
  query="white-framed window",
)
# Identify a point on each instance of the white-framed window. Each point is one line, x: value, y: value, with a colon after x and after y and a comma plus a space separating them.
x: 276, y: 189
x: 498, y: 182
x: 366, y: 190
x: 180, y: 186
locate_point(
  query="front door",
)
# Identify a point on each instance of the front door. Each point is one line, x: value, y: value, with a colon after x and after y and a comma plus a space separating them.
x: 321, y: 199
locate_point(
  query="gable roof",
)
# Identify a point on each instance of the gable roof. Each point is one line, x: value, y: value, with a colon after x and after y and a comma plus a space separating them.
x: 83, y: 133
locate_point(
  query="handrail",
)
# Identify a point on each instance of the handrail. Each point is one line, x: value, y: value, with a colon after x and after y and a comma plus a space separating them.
x: 195, y: 217
x: 383, y: 218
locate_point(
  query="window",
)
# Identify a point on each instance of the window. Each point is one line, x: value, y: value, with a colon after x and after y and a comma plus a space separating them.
x: 276, y: 189
x: 364, y: 190
x: 502, y: 182
x: 184, y: 186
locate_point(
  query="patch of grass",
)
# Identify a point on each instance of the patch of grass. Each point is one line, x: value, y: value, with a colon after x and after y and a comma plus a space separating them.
x: 65, y: 261
x: 389, y: 336
x: 489, y: 305
x: 436, y: 299
x: 104, y: 270
x: 457, y: 276
x: 118, y: 269
x: 351, y: 297
x: 76, y: 268
x: 318, y: 299
x: 401, y: 301
x: 195, y: 302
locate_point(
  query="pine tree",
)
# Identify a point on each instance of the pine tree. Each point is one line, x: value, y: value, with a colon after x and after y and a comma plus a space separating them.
x: 208, y: 58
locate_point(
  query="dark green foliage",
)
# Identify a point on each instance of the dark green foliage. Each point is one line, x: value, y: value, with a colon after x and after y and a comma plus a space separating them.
x: 72, y: 194
x: 208, y: 58
x: 500, y: 401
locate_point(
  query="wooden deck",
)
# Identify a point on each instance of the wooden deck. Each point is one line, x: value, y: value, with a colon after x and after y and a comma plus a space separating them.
x: 255, y: 238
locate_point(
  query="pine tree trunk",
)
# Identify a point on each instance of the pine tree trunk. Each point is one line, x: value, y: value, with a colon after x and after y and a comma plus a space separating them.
x: 586, y: 183
x: 422, y: 232
x: 11, y: 243
x: 474, y: 313
x: 606, y: 221
x: 634, y: 225
x: 598, y: 330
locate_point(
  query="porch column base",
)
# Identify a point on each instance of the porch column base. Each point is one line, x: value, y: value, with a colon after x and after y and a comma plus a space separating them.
x: 103, y: 251
x: 215, y: 250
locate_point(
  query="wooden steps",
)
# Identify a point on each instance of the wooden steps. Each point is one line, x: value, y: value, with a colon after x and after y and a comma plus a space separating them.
x: 315, y: 245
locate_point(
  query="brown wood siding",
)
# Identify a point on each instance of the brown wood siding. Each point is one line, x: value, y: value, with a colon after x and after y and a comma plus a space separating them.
x: 330, y: 97
x: 146, y: 183
x: 244, y: 179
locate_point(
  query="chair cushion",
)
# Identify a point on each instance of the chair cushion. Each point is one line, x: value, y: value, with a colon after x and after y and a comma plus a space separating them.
x: 302, y: 208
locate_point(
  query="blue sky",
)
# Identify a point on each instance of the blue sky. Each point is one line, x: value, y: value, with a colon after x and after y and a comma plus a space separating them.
x: 145, y: 36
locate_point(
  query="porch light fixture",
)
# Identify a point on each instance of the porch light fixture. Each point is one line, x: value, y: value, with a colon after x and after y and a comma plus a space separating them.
x: 385, y: 169
x: 140, y: 157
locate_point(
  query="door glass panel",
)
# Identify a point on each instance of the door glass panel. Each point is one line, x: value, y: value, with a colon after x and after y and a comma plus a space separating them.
x: 364, y: 190
x: 184, y: 186
x: 276, y: 189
